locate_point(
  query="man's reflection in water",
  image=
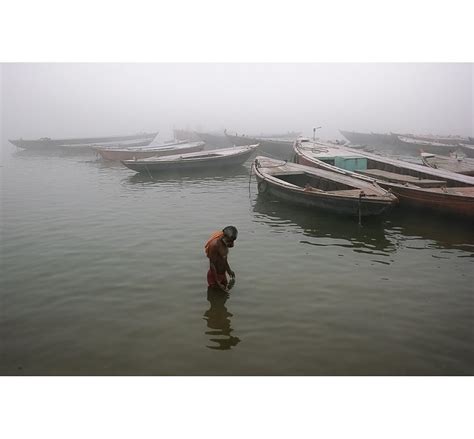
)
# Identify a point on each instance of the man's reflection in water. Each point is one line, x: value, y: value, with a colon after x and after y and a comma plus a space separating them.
x: 218, y: 320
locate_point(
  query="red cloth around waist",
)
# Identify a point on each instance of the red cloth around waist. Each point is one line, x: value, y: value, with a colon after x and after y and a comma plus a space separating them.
x: 211, y: 280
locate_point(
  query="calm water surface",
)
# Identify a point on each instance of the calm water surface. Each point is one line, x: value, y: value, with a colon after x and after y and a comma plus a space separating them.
x: 103, y: 272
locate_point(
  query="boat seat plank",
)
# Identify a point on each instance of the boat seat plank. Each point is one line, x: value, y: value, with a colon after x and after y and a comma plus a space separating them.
x: 279, y: 173
x: 349, y: 192
x: 399, y: 178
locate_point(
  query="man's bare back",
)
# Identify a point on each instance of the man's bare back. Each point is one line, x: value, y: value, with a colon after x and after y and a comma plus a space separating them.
x: 218, y: 252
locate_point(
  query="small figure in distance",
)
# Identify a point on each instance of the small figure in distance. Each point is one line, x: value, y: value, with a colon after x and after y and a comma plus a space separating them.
x: 217, y: 250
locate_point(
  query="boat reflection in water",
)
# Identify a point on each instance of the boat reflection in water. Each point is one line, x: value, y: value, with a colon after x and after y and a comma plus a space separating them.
x: 55, y: 153
x: 384, y: 236
x: 191, y: 175
x: 334, y: 229
x: 218, y: 321
x: 436, y: 231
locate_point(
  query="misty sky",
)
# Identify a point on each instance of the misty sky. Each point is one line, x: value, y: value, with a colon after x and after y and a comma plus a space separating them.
x: 79, y: 100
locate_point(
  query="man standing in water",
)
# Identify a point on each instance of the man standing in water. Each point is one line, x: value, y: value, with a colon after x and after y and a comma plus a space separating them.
x: 217, y: 249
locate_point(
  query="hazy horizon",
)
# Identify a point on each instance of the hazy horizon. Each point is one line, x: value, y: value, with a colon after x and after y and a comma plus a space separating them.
x: 80, y: 100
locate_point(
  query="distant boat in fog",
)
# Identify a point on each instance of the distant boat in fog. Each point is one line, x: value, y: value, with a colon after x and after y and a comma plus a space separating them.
x: 289, y: 135
x: 371, y: 139
x: 177, y: 147
x: 417, y: 144
x: 454, y: 163
x: 213, y: 139
x: 279, y: 147
x: 447, y: 140
x: 412, y: 142
x: 216, y: 139
x: 185, y: 135
x: 141, y: 139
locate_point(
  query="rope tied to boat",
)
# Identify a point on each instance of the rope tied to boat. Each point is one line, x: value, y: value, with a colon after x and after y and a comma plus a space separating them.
x: 361, y: 194
x: 149, y: 173
x: 250, y: 175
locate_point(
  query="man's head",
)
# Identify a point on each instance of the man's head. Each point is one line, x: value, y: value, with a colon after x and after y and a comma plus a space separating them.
x: 230, y: 235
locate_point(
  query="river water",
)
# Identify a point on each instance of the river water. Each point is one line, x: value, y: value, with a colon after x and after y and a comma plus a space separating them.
x: 103, y: 273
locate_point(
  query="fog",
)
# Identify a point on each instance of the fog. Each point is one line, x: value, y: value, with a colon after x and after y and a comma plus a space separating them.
x: 79, y: 100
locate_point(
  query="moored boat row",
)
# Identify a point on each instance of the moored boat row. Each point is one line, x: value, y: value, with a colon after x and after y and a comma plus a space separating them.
x: 414, y: 185
x: 317, y: 175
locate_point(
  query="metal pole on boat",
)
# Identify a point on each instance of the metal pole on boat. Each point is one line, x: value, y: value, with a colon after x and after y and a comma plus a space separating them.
x: 314, y: 132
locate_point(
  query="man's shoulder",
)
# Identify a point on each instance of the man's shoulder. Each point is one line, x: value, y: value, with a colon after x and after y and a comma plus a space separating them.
x: 215, y: 244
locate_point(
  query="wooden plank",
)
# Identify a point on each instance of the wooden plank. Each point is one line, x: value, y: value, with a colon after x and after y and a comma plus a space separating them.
x: 278, y: 173
x: 354, y: 193
x: 400, y: 178
x: 418, y: 168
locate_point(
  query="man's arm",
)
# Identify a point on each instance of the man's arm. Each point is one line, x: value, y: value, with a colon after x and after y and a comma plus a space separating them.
x: 227, y: 267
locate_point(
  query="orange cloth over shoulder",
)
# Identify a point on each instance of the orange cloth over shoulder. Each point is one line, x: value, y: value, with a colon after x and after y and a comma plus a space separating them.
x: 214, y: 236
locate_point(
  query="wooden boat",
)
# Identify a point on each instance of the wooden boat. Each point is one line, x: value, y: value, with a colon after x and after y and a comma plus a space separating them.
x: 414, y: 185
x: 91, y: 146
x: 446, y: 140
x: 284, y: 136
x: 186, y: 135
x: 467, y: 149
x: 413, y: 144
x: 387, y: 139
x: 280, y: 148
x: 321, y: 188
x: 371, y: 139
x: 217, y: 158
x: 119, y: 154
x: 453, y: 163
x: 47, y: 143
x: 241, y: 140
x: 217, y: 140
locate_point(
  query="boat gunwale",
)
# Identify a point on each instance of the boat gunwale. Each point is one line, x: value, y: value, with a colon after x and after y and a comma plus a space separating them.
x: 177, y: 158
x: 158, y: 148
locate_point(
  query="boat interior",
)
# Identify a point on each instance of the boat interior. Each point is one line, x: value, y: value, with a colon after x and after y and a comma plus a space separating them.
x: 311, y: 182
x: 384, y: 171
